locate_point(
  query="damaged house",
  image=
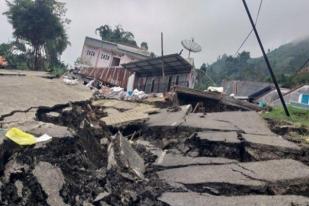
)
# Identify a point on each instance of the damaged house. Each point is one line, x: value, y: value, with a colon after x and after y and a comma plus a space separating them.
x: 103, y: 54
x: 132, y: 68
x: 160, y: 74
x: 104, y: 60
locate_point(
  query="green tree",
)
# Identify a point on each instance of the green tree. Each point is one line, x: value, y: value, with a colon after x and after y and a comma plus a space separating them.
x: 203, y: 67
x: 41, y: 23
x: 144, y: 45
x: 16, y: 54
x: 117, y: 35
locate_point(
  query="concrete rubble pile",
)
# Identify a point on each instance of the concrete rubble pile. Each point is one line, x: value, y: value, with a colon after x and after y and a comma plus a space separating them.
x: 111, y: 152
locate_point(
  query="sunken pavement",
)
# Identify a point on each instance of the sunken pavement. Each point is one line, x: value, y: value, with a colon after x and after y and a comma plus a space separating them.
x: 110, y: 152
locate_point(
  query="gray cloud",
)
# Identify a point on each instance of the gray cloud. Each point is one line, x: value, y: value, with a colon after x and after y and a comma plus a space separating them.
x: 218, y: 25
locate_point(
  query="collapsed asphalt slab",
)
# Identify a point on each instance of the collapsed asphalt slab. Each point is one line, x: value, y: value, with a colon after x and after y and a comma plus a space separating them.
x: 239, y: 179
x: 174, y: 157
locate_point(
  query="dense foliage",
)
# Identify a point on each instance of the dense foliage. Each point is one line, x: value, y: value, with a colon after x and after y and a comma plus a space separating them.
x: 285, y: 60
x: 40, y: 26
x: 118, y: 35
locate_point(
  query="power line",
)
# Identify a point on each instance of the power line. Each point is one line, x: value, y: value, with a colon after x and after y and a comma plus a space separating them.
x: 247, y: 37
x: 266, y: 59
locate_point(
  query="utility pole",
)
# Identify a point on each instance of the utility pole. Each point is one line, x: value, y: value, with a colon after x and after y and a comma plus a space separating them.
x: 266, y: 59
x: 162, y: 54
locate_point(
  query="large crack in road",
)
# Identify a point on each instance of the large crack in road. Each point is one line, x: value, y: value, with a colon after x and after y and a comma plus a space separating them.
x: 199, y: 160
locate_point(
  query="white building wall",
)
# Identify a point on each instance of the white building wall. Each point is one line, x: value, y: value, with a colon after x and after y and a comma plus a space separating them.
x: 104, y: 59
x: 126, y: 59
x: 89, y: 55
x: 97, y: 57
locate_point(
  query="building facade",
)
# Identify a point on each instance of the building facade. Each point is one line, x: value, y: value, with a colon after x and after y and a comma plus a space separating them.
x: 132, y: 68
x: 103, y: 54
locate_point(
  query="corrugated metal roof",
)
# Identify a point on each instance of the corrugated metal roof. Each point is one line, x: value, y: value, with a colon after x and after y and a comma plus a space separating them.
x: 173, y: 63
x: 116, y: 76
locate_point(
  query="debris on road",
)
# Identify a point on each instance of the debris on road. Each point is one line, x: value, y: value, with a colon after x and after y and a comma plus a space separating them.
x: 122, y: 155
x: 212, y: 101
x: 171, y: 156
x: 69, y: 81
x: 20, y: 137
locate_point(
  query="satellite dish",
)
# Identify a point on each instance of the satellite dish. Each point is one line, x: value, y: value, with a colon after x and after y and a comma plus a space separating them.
x: 191, y: 46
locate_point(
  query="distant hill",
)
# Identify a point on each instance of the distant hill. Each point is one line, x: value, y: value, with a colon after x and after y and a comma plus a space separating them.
x: 285, y: 60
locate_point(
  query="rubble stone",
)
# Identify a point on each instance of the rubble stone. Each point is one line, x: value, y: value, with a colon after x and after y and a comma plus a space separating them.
x: 51, y: 180
x: 122, y: 155
x: 19, y: 186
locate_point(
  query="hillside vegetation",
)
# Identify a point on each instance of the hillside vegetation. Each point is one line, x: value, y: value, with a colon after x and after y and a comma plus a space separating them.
x: 285, y: 60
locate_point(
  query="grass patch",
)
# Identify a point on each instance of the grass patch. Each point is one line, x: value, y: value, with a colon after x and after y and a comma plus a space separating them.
x: 58, y: 71
x: 299, y: 117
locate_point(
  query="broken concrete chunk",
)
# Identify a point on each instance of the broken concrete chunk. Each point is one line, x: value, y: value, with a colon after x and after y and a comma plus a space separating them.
x: 51, y: 179
x: 124, y: 118
x: 122, y: 155
x: 249, y: 122
x: 53, y: 130
x: 270, y: 140
x: 206, y: 174
x: 19, y: 186
x: 228, y: 137
x: 117, y: 104
x: 248, y: 147
x: 101, y: 196
x: 13, y: 167
x: 111, y: 111
x: 165, y: 118
x: 242, y: 177
x: 196, y: 199
x: 197, y: 120
x: 85, y: 203
x: 217, y: 144
x: 176, y: 160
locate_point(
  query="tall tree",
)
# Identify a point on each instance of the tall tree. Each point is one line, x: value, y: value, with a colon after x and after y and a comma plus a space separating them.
x: 41, y: 23
x: 118, y: 35
x: 144, y: 45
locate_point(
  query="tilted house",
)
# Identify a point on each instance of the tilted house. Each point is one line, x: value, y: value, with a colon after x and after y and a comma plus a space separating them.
x: 161, y: 74
x: 101, y: 54
x: 104, y: 61
x: 132, y: 68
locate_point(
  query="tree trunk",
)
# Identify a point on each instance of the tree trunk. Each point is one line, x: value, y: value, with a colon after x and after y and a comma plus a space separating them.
x: 36, y: 65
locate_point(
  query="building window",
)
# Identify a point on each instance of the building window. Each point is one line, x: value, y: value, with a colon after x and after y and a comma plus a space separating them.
x: 115, y: 62
x: 105, y: 57
x: 90, y: 53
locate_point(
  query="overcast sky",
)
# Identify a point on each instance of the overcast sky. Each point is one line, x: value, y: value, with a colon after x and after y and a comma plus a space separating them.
x: 219, y: 26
